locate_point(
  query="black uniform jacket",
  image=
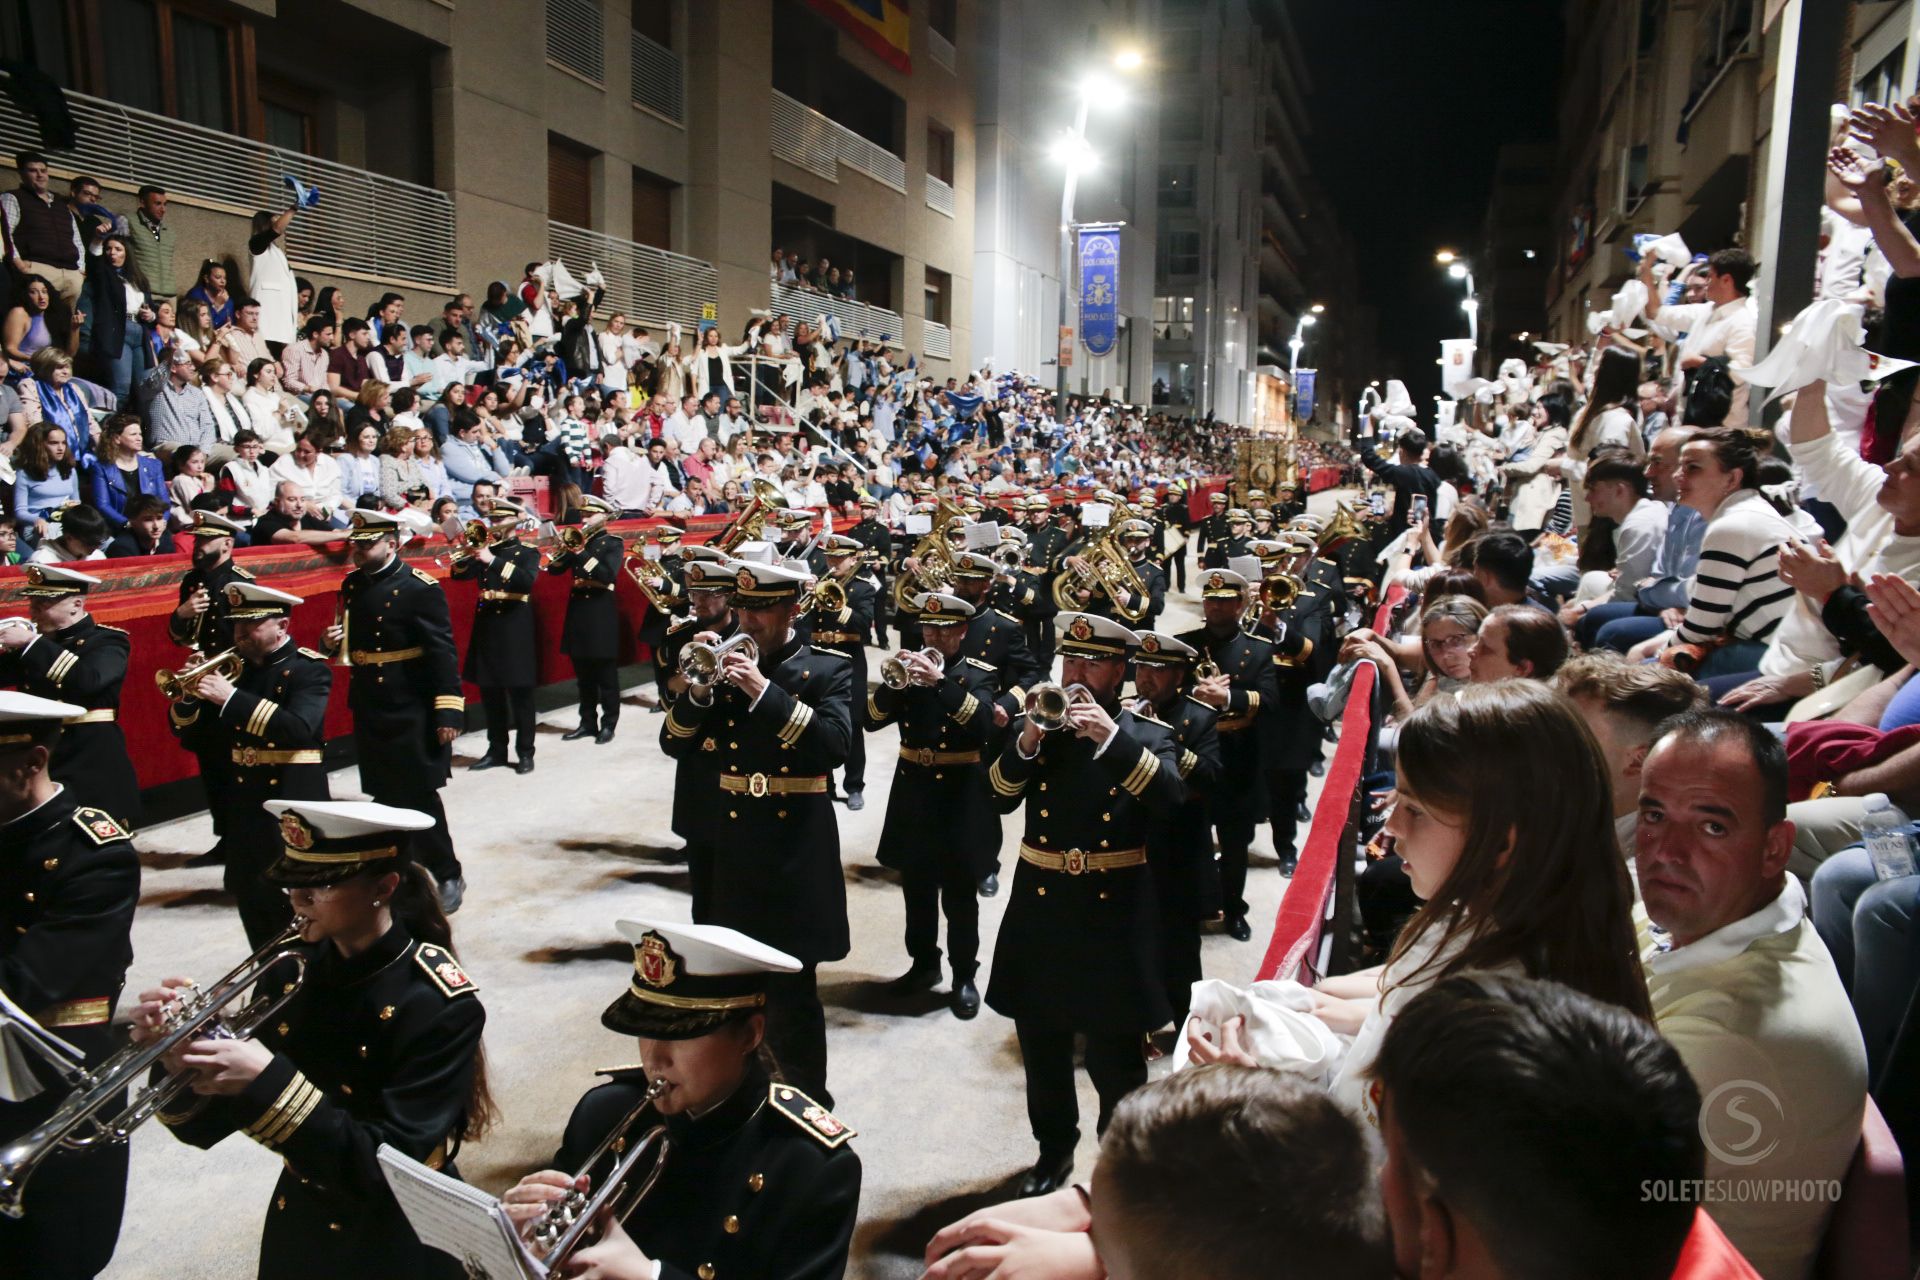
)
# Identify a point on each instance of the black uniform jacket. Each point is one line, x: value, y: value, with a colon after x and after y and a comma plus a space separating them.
x: 940, y: 808
x: 405, y: 684
x: 999, y: 640
x: 85, y: 664
x: 503, y: 651
x: 210, y: 632
x: 694, y: 785
x: 591, y: 629
x: 278, y: 706
x: 1247, y: 661
x: 1180, y: 841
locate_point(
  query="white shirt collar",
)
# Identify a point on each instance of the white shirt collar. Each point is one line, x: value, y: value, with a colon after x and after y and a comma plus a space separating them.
x: 1782, y: 914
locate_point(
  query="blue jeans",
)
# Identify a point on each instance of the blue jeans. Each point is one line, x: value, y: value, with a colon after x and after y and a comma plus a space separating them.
x: 127, y: 361
x: 1731, y: 658
x: 1622, y: 634
x: 1868, y: 926
x: 1587, y: 631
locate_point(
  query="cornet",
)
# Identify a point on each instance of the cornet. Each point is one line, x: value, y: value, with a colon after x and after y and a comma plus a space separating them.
x: 896, y: 674
x: 178, y: 686
x: 1008, y: 557
x: 197, y: 1015
x: 1047, y: 704
x: 700, y: 662
x: 564, y: 1226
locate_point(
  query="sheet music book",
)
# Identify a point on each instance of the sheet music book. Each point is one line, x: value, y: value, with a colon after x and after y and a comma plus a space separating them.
x: 1247, y: 567
x: 981, y: 537
x: 1096, y: 515
x: 459, y: 1220
x: 24, y: 1042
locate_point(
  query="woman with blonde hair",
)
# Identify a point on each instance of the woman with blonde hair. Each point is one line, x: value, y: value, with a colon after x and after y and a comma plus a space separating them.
x: 400, y: 468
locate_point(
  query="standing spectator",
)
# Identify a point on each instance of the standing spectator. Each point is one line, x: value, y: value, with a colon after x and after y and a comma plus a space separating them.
x: 246, y: 478
x: 25, y: 330
x: 347, y: 365
x: 176, y: 410
x: 151, y: 240
x: 189, y: 481
x: 41, y: 236
x: 96, y: 221
x: 1721, y: 327
x: 1409, y: 476
x: 211, y: 288
x: 271, y: 280
x: 44, y: 480
x: 114, y: 305
x: 303, y: 364
x: 123, y: 471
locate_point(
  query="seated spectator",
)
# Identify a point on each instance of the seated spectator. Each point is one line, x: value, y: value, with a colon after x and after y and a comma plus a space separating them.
x: 242, y: 342
x: 175, y: 408
x: 61, y: 403
x: 303, y: 364
x: 1518, y: 641
x: 188, y: 481
x: 1868, y: 925
x: 1616, y: 490
x: 470, y: 457
x: 82, y: 532
x: 25, y: 331
x: 325, y: 417
x: 1624, y: 703
x: 293, y: 518
x: 123, y: 470
x: 400, y: 468
x: 45, y: 480
x: 1448, y: 632
x: 275, y: 418
x: 247, y: 478
x: 194, y: 329
x: 359, y: 463
x: 230, y: 415
x: 347, y: 367
x: 211, y: 289
x: 145, y: 532
x: 1503, y: 562
x: 1741, y: 983
x: 318, y: 478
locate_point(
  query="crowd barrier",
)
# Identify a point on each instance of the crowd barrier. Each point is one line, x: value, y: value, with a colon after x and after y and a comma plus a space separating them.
x: 1321, y: 478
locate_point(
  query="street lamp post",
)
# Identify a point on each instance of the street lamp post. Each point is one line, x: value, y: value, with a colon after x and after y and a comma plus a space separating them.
x: 1460, y: 269
x: 1077, y: 155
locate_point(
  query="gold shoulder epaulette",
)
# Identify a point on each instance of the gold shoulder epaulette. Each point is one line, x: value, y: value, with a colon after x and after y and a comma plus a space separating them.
x: 827, y: 653
x: 443, y: 970
x: 983, y: 665
x: 104, y: 627
x: 814, y: 1120
x: 426, y: 577
x: 316, y: 655
x: 1151, y: 719
x: 238, y: 572
x: 99, y: 825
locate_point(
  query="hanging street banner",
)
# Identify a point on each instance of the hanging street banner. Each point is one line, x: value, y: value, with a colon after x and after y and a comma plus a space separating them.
x: 1303, y: 380
x: 1099, y: 288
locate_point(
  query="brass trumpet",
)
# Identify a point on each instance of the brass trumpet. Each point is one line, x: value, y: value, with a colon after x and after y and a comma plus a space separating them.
x: 178, y: 686
x: 896, y: 674
x: 1047, y: 704
x: 572, y: 539
x: 564, y: 1226
x: 700, y: 662
x: 1009, y: 557
x: 97, y: 1111
x: 1278, y: 592
x: 828, y: 596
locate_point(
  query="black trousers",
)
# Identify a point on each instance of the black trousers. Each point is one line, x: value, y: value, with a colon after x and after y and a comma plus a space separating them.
x: 1115, y: 1061
x: 432, y: 848
x: 1286, y: 792
x: 855, y: 778
x: 264, y: 909
x: 797, y: 1031
x: 1177, y: 564
x: 1235, y: 837
x: 927, y: 892
x: 598, y: 680
x: 72, y: 1214
x: 1180, y: 945
x: 498, y: 701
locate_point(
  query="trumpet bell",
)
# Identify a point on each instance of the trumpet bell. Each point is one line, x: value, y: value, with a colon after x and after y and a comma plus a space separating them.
x: 1047, y: 704
x: 700, y: 663
x: 177, y: 686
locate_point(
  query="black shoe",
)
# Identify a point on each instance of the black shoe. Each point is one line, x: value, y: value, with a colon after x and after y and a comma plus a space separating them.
x: 1049, y: 1174
x: 965, y: 1000
x: 1302, y: 813
x: 453, y: 891
x: 1318, y: 768
x: 603, y: 737
x: 584, y: 731
x: 488, y: 761
x: 991, y: 885
x: 1289, y: 863
x: 1237, y: 928
x: 922, y: 977
x: 523, y: 765
x: 856, y: 801
x: 658, y: 708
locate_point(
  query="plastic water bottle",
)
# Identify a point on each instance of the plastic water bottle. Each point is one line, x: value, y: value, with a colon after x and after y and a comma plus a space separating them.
x: 1883, y: 830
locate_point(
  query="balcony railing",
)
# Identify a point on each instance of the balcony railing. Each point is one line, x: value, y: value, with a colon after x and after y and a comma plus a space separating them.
x: 820, y: 145
x: 940, y: 49
x: 855, y: 319
x: 936, y: 342
x: 650, y: 285
x: 657, y: 80
x: 939, y: 196
x: 365, y: 224
x: 576, y: 38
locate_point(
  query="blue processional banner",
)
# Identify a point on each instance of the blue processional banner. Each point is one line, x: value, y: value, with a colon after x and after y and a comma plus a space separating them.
x: 1303, y: 381
x: 1099, y: 288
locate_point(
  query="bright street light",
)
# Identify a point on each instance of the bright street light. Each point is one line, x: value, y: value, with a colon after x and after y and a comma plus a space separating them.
x: 1309, y: 319
x: 1458, y: 271
x: 1076, y: 156
x: 1319, y: 307
x: 1074, y: 153
x: 1443, y: 257
x: 1128, y: 59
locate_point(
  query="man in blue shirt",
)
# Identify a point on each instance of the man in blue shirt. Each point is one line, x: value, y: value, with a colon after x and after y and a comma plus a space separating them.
x: 1620, y: 626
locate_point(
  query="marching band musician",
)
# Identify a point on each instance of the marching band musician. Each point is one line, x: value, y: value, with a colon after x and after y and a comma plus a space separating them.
x: 66, y: 655
x: 1212, y: 531
x: 1292, y: 739
x: 1045, y: 541
x: 590, y: 635
x: 503, y: 655
x: 379, y: 1042
x: 1241, y: 689
x: 1136, y: 536
x: 844, y: 631
x: 877, y: 555
x: 1079, y: 949
x: 945, y: 717
x: 69, y: 880
x: 269, y: 724
x: 1180, y: 849
x: 778, y: 727
x: 396, y: 636
x: 665, y: 582
x: 1235, y: 544
x: 760, y: 1181
x: 200, y: 623
x: 708, y: 589
x: 795, y: 525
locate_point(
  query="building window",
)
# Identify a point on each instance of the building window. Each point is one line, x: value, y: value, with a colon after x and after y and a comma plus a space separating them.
x: 943, y: 16
x: 35, y: 32
x: 939, y: 296
x: 1882, y: 83
x: 569, y: 182
x: 654, y: 20
x: 652, y: 210
x: 576, y: 37
x: 133, y: 74
x: 1176, y: 186
x: 1178, y: 253
x: 1173, y: 319
x: 1180, y: 120
x: 165, y: 58
x: 288, y: 128
x: 940, y: 151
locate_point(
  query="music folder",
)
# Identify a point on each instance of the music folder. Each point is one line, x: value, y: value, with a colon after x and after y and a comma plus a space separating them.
x: 24, y: 1042
x: 459, y: 1220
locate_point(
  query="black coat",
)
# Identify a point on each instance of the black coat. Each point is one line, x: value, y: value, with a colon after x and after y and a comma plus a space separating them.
x: 86, y: 664
x: 999, y: 640
x: 654, y: 622
x: 69, y: 880
x: 103, y: 297
x: 1082, y: 951
x: 376, y: 1048
x: 1247, y: 661
x: 693, y: 778
x: 751, y: 1188
x: 591, y: 629
x: 776, y: 873
x: 1180, y: 842
x: 938, y: 814
x: 212, y: 631
x: 399, y: 706
x: 503, y: 650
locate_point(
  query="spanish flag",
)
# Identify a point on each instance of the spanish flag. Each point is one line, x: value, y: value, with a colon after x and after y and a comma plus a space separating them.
x: 880, y: 25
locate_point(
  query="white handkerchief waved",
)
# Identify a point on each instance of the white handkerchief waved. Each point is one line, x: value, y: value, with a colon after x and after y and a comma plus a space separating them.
x: 1825, y: 341
x: 1280, y: 1031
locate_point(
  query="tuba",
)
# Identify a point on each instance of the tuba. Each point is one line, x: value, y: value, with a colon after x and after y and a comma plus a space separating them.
x: 935, y: 555
x: 178, y: 686
x: 567, y: 1221
x: 700, y: 662
x: 1047, y: 704
x: 97, y: 1111
x: 896, y: 674
x: 1112, y: 569
x: 763, y: 499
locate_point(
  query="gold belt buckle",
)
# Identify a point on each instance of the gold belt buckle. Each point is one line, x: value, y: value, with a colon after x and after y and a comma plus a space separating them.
x: 1075, y: 862
x: 249, y: 756
x: 757, y: 785
x: 919, y: 755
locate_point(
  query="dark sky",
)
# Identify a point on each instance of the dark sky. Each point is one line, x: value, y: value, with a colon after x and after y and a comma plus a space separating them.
x: 1411, y: 102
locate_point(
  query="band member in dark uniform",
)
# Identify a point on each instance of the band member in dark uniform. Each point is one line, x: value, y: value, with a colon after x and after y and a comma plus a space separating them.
x: 72, y: 658
x: 503, y: 653
x: 877, y: 558
x: 590, y: 635
x: 796, y: 539
x: 709, y: 595
x: 1213, y: 530
x: 761, y: 1180
x: 200, y: 623
x: 396, y: 636
x: 843, y: 630
x: 1180, y: 848
x: 1079, y: 949
x: 269, y: 723
x: 1292, y: 738
x: 378, y: 1044
x: 1237, y: 681
x: 946, y: 719
x: 665, y: 580
x: 1239, y: 538
x: 69, y: 879
x: 999, y: 640
x: 780, y: 726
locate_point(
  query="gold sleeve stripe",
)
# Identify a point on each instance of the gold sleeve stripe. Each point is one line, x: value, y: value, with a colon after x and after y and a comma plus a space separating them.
x: 1133, y: 774
x: 1187, y: 761
x: 674, y: 726
x: 1253, y: 701
x: 67, y: 660
x: 1018, y: 694
x: 450, y: 702
x: 262, y: 716
x: 966, y: 710
x: 183, y: 716
x: 289, y: 1111
x: 590, y: 565
x: 1142, y: 773
x: 1000, y: 783
x: 506, y: 571
x: 874, y: 713
x: 797, y: 721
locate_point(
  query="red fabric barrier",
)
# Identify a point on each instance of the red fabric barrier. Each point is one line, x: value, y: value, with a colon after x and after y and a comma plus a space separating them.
x: 1198, y: 506
x: 1323, y: 478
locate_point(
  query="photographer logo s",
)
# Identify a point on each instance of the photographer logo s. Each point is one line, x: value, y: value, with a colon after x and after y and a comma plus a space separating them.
x: 1740, y: 1121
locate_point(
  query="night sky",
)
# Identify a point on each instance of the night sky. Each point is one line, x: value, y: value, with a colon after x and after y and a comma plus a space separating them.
x: 1411, y: 102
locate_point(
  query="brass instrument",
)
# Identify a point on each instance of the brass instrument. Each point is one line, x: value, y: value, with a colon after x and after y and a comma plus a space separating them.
x: 1206, y: 669
x: 763, y: 499
x: 935, y: 555
x: 572, y: 539
x: 829, y: 595
x: 896, y: 674
x: 700, y: 662
x: 1112, y: 570
x: 1278, y: 591
x: 564, y: 1226
x: 177, y: 686
x: 79, y: 1124
x: 1009, y: 557
x: 1047, y: 704
x: 474, y: 534
x: 643, y: 571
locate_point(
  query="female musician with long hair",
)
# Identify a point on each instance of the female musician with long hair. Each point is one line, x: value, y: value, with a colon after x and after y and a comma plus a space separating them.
x: 379, y: 1042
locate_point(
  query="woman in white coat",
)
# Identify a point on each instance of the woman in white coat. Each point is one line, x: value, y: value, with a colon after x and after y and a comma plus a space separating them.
x: 710, y: 367
x: 272, y: 280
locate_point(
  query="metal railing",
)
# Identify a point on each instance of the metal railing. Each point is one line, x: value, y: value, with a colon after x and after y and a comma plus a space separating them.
x: 940, y: 49
x: 936, y: 341
x: 820, y: 145
x: 650, y: 285
x: 657, y: 79
x: 854, y: 319
x: 576, y: 38
x: 365, y: 223
x: 939, y: 196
